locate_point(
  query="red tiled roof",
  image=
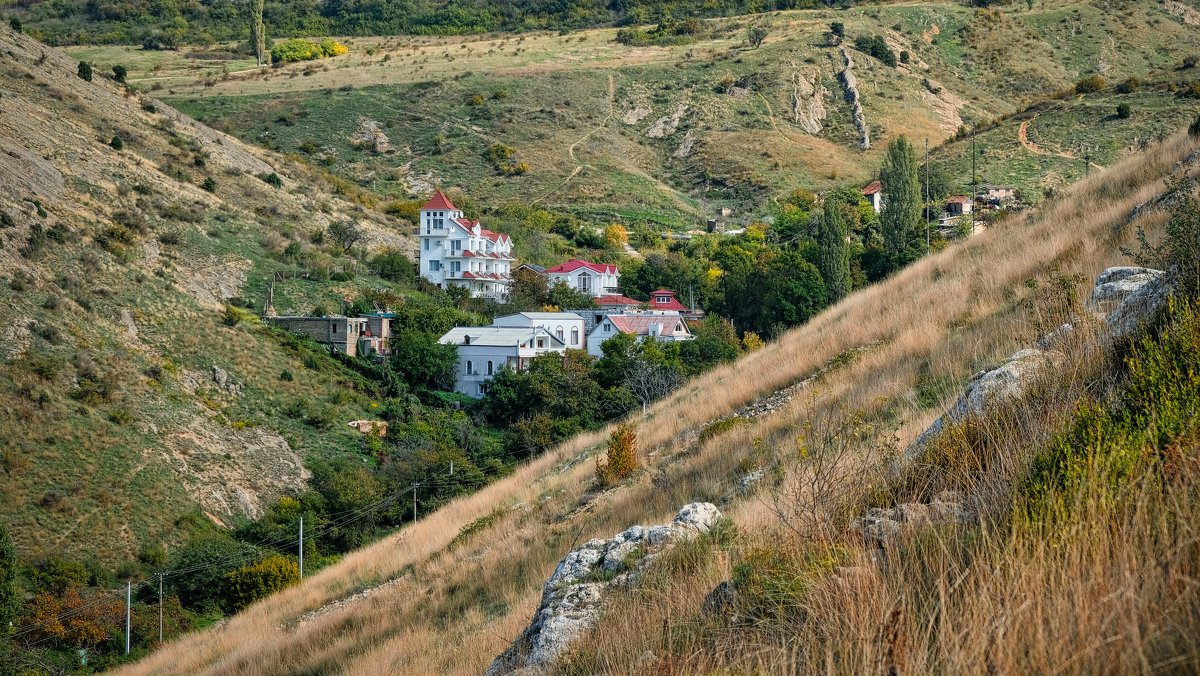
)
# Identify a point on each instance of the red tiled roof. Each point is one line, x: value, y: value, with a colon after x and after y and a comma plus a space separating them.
x: 616, y: 299
x: 439, y: 202
x: 872, y: 188
x: 494, y: 236
x: 959, y: 199
x: 671, y: 304
x: 639, y: 325
x: 574, y: 264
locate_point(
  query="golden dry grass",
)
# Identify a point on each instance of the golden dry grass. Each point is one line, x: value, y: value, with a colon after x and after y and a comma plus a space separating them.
x: 956, y: 311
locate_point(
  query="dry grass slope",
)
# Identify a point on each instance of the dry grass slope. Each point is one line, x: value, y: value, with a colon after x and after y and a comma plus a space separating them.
x: 455, y: 606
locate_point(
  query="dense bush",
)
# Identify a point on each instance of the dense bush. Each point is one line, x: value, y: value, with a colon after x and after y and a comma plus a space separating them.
x: 305, y: 50
x: 1089, y: 84
x: 1124, y: 111
x: 85, y: 70
x: 119, y: 73
x: 259, y: 580
x: 621, y: 459
x: 877, y: 47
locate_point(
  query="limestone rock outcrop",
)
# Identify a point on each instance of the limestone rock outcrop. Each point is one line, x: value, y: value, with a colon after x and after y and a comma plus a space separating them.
x: 573, y: 595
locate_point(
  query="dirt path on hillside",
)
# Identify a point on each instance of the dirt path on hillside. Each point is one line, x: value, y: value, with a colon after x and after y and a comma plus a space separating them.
x: 612, y: 91
x: 1023, y: 137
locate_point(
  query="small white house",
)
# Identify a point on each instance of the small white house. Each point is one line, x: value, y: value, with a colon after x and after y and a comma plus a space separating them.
x: 594, y: 279
x: 874, y: 194
x: 484, y: 350
x: 661, y: 326
x: 566, y: 326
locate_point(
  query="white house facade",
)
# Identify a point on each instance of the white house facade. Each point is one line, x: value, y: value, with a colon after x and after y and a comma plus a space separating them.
x: 456, y: 251
x: 874, y: 194
x: 484, y: 350
x: 662, y: 326
x: 565, y: 326
x: 593, y: 279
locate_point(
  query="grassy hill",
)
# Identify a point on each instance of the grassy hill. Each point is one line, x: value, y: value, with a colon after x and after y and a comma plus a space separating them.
x: 662, y: 134
x: 460, y: 584
x: 118, y: 266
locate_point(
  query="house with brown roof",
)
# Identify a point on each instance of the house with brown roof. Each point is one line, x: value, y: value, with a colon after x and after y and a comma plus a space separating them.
x: 959, y: 205
x: 456, y: 251
x: 662, y: 326
x: 874, y: 194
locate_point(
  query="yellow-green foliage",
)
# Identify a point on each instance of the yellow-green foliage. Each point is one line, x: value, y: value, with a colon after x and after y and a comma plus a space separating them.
x: 258, y: 580
x: 236, y: 315
x: 1155, y: 419
x: 306, y: 50
x: 622, y: 456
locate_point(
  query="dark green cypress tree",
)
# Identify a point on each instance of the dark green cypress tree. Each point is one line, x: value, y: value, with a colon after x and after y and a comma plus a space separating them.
x: 834, y: 260
x: 901, y: 215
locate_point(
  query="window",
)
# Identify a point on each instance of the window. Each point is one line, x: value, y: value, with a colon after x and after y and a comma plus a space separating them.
x: 456, y: 266
x: 427, y: 245
x: 558, y: 332
x: 456, y: 245
x: 664, y: 299
x: 575, y: 336
x: 541, y: 342
x: 607, y: 327
x: 470, y: 367
x: 490, y: 367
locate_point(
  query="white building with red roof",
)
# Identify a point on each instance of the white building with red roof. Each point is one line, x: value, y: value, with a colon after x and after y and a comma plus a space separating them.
x: 594, y: 279
x: 661, y: 326
x: 456, y: 251
x: 874, y: 194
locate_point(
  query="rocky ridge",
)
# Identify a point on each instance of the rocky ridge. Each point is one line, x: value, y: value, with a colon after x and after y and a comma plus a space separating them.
x: 573, y: 596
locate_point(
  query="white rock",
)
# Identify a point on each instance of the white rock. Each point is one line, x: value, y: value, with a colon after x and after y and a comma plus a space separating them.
x: 696, y: 518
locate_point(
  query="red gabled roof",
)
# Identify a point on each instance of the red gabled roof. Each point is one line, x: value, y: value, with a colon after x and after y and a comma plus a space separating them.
x: 494, y: 236
x: 959, y: 199
x: 574, y: 264
x: 439, y: 202
x: 616, y: 299
x: 872, y: 188
x: 671, y: 304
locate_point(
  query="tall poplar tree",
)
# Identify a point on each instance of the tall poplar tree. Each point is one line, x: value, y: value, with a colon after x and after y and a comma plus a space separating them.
x: 258, y: 33
x: 834, y: 261
x: 901, y: 215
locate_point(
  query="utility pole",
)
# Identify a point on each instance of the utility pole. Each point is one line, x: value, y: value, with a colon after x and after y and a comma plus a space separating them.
x: 974, y: 186
x: 414, y: 487
x: 160, y: 608
x: 301, y: 546
x: 128, y: 602
x: 927, y: 193
x: 1087, y: 160
x: 451, y: 468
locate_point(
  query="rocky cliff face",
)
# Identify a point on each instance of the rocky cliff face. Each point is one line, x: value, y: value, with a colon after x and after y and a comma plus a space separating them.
x: 573, y: 597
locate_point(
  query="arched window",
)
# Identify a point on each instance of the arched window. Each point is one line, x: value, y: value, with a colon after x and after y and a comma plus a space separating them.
x: 470, y: 367
x: 575, y: 336
x: 559, y: 333
x: 490, y: 367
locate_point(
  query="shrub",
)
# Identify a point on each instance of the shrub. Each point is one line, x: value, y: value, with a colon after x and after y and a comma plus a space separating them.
x: 475, y: 101
x: 15, y: 24
x: 622, y: 460
x: 877, y: 47
x: 119, y: 73
x: 1129, y: 86
x: 331, y: 47
x: 905, y: 57
x: 85, y: 70
x: 272, y: 179
x: 117, y: 143
x: 1091, y: 83
x: 209, y: 184
x: 259, y: 580
x: 1124, y: 111
x: 755, y: 36
x: 286, y: 375
x: 838, y: 29
x: 296, y: 50
x: 1194, y: 128
x: 1190, y: 61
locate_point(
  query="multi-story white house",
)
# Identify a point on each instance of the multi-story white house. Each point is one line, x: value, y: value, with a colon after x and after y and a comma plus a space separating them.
x: 594, y: 279
x: 662, y: 326
x: 566, y: 326
x: 456, y: 251
x: 484, y: 350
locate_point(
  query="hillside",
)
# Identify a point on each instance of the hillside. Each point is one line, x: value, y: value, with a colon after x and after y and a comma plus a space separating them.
x: 130, y: 405
x: 449, y: 593
x: 661, y: 131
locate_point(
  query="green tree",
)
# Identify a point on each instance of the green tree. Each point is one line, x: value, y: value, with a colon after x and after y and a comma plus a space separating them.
x: 424, y: 363
x: 258, y: 33
x: 564, y: 297
x: 259, y: 580
x: 85, y: 70
x: 10, y: 599
x: 901, y: 213
x: 346, y: 234
x: 756, y: 35
x: 794, y: 292
x: 834, y: 260
x: 119, y: 73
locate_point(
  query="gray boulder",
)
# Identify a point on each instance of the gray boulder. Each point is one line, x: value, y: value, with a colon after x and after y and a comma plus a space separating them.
x: 1128, y: 297
x: 574, y: 594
